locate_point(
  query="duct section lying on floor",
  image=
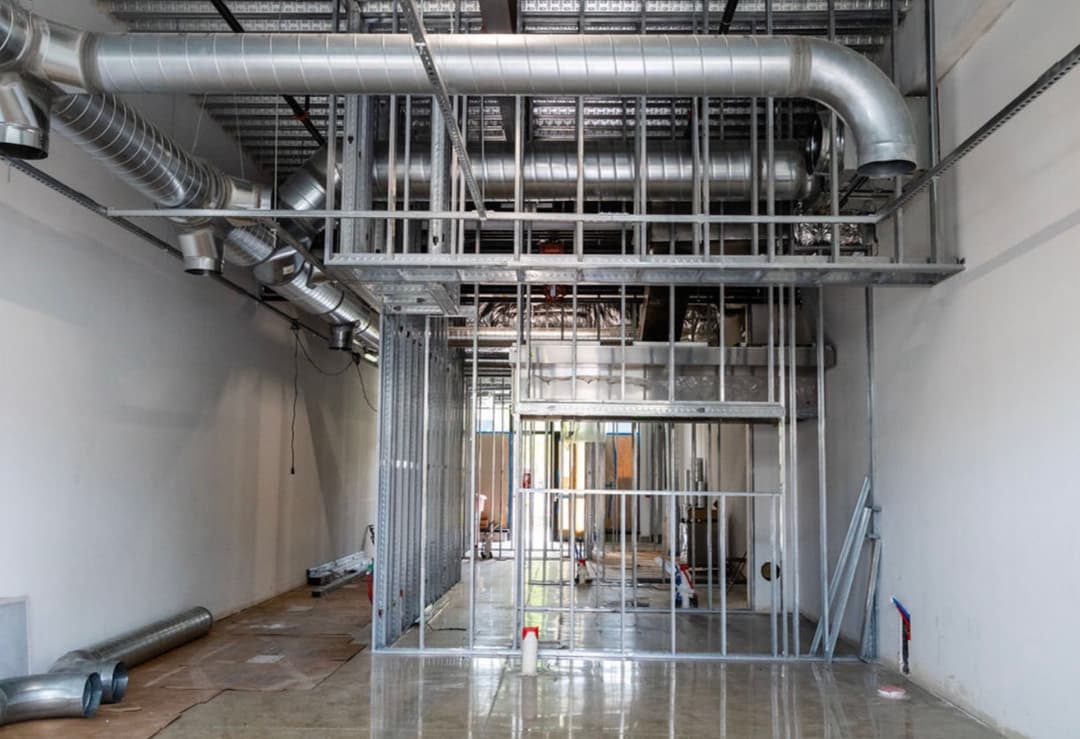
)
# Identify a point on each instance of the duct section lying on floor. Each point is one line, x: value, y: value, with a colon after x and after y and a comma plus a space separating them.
x: 82, y: 680
x: 53, y: 695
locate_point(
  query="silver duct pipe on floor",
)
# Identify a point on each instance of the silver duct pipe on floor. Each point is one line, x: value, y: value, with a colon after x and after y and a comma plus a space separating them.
x: 83, y: 679
x: 52, y: 695
x: 113, y: 673
x: 160, y: 169
x: 480, y: 64
x: 152, y: 640
x: 111, y: 659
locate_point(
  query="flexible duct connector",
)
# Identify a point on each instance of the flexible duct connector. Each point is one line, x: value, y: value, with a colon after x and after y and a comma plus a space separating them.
x: 52, y: 695
x: 478, y: 64
x: 144, y: 157
x: 250, y: 245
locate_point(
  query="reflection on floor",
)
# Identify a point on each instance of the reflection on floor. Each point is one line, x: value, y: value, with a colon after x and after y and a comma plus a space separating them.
x: 696, y: 630
x: 290, y: 643
x: 388, y: 696
x: 295, y: 667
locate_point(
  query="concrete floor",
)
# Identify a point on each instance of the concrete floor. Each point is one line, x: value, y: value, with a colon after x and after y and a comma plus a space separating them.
x: 389, y: 696
x: 696, y: 631
x: 297, y: 667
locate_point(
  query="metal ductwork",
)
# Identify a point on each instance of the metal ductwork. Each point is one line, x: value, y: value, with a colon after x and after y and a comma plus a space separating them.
x: 152, y: 640
x: 113, y: 673
x: 83, y: 679
x: 481, y: 64
x: 202, y: 251
x: 52, y: 695
x: 549, y: 171
x: 24, y: 118
x: 157, y: 167
x: 148, y: 160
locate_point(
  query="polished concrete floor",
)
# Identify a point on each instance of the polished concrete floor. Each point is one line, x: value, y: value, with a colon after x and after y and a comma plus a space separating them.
x: 298, y: 667
x: 392, y: 696
x: 696, y: 629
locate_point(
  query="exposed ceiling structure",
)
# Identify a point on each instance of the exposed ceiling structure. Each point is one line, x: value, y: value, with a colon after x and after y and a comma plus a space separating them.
x: 269, y: 130
x: 666, y: 103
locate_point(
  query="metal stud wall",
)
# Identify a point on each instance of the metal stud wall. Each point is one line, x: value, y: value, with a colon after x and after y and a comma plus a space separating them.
x: 421, y: 489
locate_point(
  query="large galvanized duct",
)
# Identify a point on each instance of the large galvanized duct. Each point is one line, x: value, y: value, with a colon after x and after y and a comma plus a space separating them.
x: 160, y: 169
x: 477, y: 64
x: 52, y: 695
x: 146, y: 159
x: 549, y: 171
x: 152, y: 640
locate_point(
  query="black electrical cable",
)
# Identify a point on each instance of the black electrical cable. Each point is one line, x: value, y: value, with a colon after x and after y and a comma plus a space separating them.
x: 299, y: 112
x: 319, y: 369
x: 729, y: 16
x: 363, y: 388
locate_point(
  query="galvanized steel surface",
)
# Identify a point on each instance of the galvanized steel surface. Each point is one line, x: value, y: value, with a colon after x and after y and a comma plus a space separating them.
x: 52, y: 695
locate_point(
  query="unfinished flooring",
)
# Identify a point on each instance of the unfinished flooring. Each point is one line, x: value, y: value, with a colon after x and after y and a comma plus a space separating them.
x: 296, y: 666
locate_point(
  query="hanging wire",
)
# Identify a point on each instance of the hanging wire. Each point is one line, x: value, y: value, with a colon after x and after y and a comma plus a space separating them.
x: 363, y: 388
x: 295, y: 397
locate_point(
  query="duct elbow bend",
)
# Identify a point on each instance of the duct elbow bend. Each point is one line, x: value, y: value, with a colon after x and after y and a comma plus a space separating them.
x: 875, y: 112
x: 52, y: 695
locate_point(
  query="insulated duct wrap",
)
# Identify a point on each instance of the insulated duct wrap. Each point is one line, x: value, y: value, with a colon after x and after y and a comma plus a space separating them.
x: 478, y: 64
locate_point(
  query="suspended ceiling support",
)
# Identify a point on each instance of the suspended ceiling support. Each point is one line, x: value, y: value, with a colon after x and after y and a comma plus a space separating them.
x: 505, y: 269
x: 547, y: 410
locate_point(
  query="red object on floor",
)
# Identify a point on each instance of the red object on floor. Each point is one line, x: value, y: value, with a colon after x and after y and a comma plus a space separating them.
x: 370, y: 587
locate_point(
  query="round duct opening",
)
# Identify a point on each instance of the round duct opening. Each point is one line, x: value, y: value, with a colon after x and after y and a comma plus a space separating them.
x: 91, y: 698
x: 119, y: 682
x: 887, y: 168
x: 341, y: 337
x: 202, y: 252
x: 24, y: 120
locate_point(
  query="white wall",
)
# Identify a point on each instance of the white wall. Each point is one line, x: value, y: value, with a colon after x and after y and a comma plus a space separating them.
x: 978, y: 406
x: 144, y: 433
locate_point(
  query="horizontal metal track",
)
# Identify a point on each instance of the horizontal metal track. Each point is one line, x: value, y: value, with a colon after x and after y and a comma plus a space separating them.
x: 615, y: 270
x: 547, y: 410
